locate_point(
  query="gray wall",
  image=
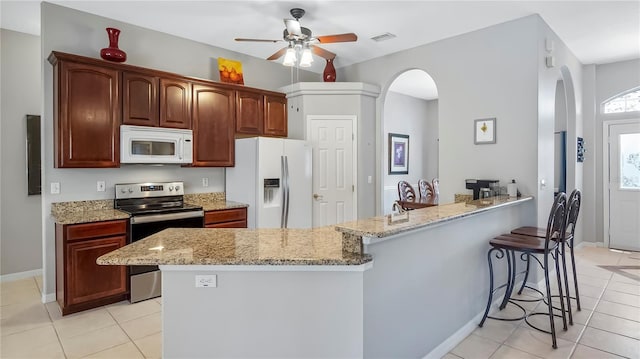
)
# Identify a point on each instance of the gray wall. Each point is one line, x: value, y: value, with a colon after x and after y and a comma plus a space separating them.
x: 417, y: 118
x: 603, y: 82
x: 76, y: 32
x: 21, y: 242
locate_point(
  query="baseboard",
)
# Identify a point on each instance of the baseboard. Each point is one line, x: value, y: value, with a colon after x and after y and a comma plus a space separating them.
x: 48, y: 298
x: 20, y: 275
x: 590, y: 244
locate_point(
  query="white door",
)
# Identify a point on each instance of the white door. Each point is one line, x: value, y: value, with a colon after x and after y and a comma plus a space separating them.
x: 624, y: 186
x: 333, y: 171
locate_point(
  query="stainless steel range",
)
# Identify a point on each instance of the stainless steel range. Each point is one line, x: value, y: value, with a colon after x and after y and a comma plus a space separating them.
x: 153, y: 206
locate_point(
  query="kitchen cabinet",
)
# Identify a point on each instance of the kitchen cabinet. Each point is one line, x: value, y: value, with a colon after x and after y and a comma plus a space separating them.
x: 249, y: 113
x: 261, y: 114
x: 81, y: 283
x: 139, y: 99
x: 275, y: 115
x: 226, y: 218
x: 87, y: 113
x: 175, y: 103
x: 213, y: 125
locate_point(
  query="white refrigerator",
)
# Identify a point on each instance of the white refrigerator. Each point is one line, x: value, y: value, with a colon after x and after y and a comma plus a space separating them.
x: 272, y: 176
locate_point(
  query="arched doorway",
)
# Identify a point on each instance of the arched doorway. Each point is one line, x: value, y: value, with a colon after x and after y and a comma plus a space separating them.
x: 410, y: 108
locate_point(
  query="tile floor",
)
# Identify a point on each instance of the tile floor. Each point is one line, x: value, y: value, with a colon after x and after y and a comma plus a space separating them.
x: 607, y: 327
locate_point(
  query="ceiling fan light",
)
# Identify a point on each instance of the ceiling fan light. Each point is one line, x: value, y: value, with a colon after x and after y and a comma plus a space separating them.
x: 290, y: 57
x: 306, y: 59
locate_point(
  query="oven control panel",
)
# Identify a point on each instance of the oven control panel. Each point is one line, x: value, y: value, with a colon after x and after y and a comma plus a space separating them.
x: 149, y: 189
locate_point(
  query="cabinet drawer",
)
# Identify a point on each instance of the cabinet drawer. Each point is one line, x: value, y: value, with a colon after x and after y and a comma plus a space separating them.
x: 234, y: 224
x: 226, y: 215
x: 98, y: 229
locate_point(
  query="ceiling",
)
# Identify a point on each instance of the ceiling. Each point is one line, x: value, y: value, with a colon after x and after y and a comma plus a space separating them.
x: 595, y: 31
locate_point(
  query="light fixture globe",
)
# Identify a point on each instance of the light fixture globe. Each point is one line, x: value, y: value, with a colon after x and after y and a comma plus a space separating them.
x: 306, y: 59
x: 290, y: 57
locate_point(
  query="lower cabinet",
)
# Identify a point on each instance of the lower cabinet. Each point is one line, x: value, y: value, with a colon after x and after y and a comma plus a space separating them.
x: 226, y: 218
x: 81, y: 283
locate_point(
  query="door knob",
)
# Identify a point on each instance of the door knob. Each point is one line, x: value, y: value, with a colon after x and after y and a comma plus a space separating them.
x: 317, y: 196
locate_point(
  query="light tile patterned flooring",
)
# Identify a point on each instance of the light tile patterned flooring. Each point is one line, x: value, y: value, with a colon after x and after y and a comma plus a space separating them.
x: 607, y: 327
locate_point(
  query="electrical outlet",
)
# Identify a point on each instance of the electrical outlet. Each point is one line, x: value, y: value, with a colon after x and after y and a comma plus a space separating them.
x: 206, y: 281
x: 205, y: 182
x: 55, y: 187
x: 101, y: 186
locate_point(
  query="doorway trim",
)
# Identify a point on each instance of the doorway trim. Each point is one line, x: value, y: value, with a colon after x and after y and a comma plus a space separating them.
x: 354, y: 149
x: 606, y: 206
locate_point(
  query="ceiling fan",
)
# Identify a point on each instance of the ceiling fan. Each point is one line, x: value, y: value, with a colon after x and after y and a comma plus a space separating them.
x: 301, y: 40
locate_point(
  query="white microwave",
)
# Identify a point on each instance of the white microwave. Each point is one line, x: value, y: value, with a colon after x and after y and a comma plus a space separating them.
x: 157, y: 145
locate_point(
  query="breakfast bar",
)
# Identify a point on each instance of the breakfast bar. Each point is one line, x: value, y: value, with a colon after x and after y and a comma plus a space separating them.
x: 388, y: 286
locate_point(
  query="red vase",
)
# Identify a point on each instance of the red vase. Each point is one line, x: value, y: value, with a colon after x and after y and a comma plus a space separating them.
x: 329, y: 74
x: 113, y: 53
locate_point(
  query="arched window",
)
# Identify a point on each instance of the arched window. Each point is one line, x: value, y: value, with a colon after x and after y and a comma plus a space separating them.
x: 627, y: 102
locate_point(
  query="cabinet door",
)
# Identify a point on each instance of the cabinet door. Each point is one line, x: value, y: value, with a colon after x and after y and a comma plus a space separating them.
x: 275, y: 118
x: 249, y: 115
x: 87, y: 280
x: 175, y: 103
x: 139, y: 99
x: 213, y: 126
x: 88, y: 114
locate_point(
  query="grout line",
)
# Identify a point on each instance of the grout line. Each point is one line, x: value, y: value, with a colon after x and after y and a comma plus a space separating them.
x: 127, y: 334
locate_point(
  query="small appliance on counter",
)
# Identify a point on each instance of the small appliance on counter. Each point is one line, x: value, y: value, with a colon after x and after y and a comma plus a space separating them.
x: 153, y: 206
x: 483, y: 188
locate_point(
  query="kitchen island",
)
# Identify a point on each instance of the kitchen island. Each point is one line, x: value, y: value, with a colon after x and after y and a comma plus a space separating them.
x: 389, y: 286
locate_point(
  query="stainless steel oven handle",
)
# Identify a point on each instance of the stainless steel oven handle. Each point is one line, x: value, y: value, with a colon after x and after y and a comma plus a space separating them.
x: 166, y: 217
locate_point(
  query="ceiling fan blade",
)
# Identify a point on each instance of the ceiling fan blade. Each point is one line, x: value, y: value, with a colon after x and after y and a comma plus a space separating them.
x: 293, y: 27
x: 349, y: 37
x: 323, y: 53
x: 256, y: 40
x: 278, y: 53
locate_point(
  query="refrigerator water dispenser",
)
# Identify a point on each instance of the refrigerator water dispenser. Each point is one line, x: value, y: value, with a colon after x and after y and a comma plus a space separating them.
x: 271, y: 192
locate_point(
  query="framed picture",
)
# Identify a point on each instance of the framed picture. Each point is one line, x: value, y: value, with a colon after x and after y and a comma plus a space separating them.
x: 230, y: 71
x: 484, y: 131
x: 398, y: 154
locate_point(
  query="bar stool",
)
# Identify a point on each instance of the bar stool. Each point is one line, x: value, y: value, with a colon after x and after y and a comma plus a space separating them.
x: 506, y: 245
x: 575, y: 198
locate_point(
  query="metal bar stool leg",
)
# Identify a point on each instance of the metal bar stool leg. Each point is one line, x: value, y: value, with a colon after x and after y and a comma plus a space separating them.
x: 549, y: 303
x: 575, y: 276
x: 526, y: 275
x: 500, y: 254
x: 566, y: 283
x: 560, y: 292
x: 510, y: 271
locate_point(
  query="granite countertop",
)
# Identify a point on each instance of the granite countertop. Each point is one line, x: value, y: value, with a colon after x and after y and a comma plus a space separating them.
x: 77, y: 212
x: 213, y: 246
x: 392, y: 224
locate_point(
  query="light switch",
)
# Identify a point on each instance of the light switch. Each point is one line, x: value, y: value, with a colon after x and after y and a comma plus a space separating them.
x: 101, y: 186
x: 55, y: 187
x: 205, y: 182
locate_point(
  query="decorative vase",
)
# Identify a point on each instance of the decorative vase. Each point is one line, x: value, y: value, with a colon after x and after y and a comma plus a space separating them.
x: 329, y: 74
x: 113, y: 53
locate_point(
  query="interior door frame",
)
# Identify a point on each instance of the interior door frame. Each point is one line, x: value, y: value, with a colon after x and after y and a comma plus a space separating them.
x: 354, y: 149
x: 606, y: 126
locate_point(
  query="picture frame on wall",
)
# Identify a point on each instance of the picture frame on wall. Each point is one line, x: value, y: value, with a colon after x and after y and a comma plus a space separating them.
x: 484, y: 131
x: 398, y: 154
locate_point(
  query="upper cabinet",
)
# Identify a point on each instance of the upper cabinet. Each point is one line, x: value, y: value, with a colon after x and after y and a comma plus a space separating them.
x: 275, y: 119
x: 86, y: 114
x: 175, y: 103
x: 93, y: 97
x: 139, y: 99
x: 213, y: 135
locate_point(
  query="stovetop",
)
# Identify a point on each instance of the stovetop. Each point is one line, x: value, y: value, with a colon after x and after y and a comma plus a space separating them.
x: 156, y: 208
x: 152, y: 198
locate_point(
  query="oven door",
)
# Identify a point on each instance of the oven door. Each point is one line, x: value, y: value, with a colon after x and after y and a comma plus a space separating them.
x: 145, y: 280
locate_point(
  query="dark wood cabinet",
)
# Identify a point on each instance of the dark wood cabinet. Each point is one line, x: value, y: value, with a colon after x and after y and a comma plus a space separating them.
x: 86, y: 114
x: 175, y: 103
x: 275, y: 115
x: 81, y: 283
x: 226, y: 218
x: 249, y: 112
x: 213, y: 126
x: 139, y: 99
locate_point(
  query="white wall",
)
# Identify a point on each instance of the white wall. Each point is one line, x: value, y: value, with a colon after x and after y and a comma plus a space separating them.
x: 21, y: 242
x: 487, y: 73
x: 417, y: 118
x: 605, y: 81
x: 76, y: 32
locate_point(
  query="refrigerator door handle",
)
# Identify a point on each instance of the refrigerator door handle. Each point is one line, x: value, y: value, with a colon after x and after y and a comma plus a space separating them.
x: 286, y: 188
x: 284, y: 181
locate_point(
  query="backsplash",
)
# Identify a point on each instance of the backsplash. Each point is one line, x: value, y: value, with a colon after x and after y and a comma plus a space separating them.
x: 81, y: 206
x: 198, y: 198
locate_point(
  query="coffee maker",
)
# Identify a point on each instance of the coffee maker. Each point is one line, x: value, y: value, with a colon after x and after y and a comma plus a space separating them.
x: 489, y: 188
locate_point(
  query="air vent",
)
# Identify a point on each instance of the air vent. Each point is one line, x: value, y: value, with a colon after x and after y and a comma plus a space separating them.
x: 383, y: 37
